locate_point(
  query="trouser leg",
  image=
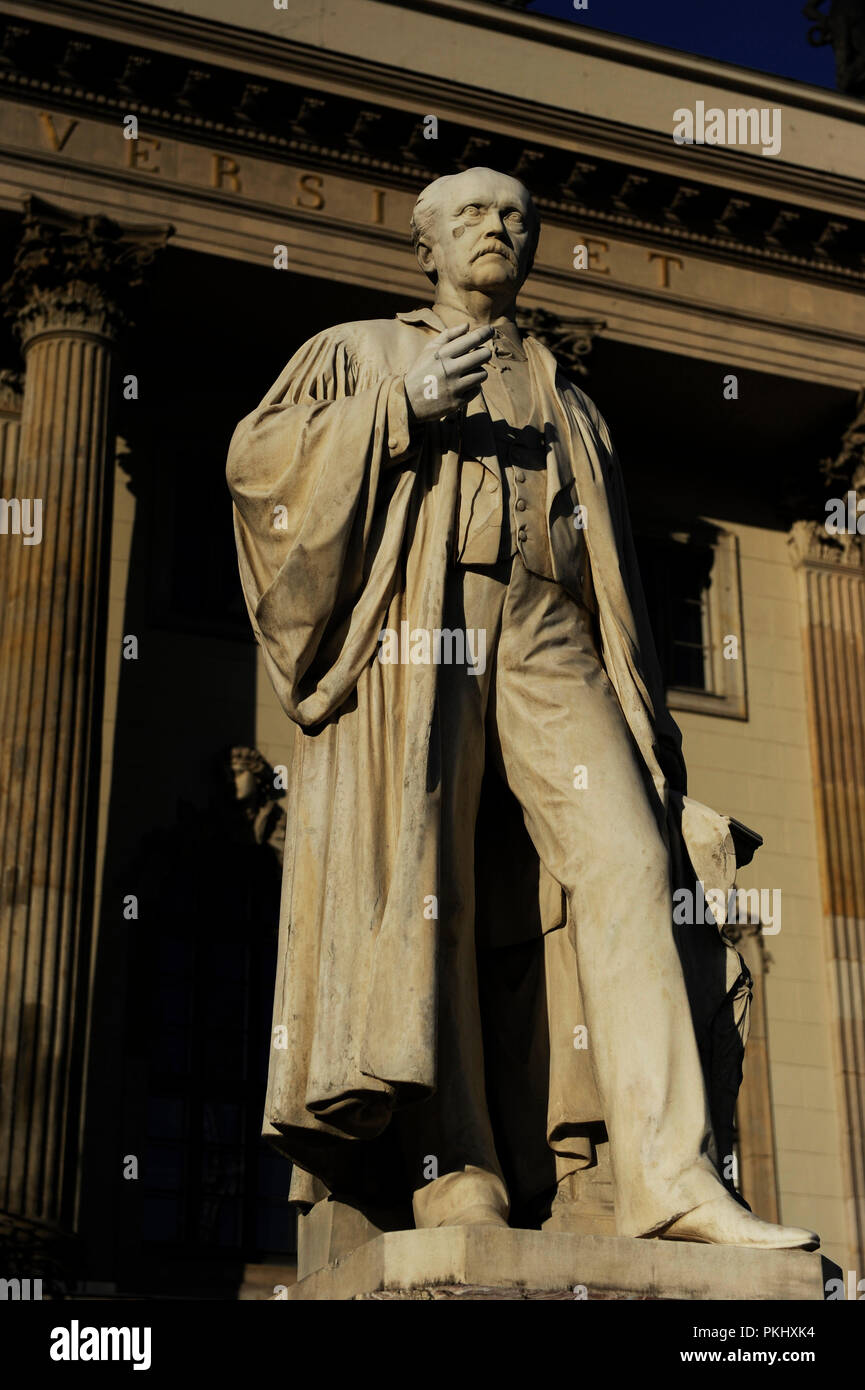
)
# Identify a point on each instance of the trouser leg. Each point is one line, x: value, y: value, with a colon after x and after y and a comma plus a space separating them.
x: 555, y: 711
x: 450, y: 1133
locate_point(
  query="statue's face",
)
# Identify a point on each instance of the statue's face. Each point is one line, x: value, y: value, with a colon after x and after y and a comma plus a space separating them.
x: 481, y: 234
x: 244, y: 782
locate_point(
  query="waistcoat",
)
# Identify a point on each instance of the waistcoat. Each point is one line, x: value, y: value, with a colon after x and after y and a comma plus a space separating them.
x: 505, y: 513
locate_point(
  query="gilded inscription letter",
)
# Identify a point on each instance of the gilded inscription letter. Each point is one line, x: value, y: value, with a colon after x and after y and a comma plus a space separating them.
x: 138, y: 157
x: 664, y: 267
x: 223, y: 169
x: 56, y: 141
x: 311, y: 184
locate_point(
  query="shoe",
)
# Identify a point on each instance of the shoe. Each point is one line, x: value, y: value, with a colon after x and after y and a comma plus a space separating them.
x: 476, y: 1216
x: 723, y: 1222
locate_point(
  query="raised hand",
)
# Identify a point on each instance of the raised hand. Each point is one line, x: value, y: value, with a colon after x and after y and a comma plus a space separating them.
x: 448, y: 372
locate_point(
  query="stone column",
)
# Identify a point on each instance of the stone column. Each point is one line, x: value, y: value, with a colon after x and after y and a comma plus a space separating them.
x: 831, y: 571
x: 67, y: 296
x: 755, y: 1125
x: 10, y: 431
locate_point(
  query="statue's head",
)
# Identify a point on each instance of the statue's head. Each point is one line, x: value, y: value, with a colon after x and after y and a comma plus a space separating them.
x: 478, y: 231
x: 250, y: 773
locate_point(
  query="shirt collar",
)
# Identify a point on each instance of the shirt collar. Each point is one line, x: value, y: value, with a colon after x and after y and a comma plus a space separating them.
x: 423, y: 315
x: 441, y: 316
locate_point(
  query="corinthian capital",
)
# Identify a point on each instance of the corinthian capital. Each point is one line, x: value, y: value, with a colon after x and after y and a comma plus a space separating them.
x: 77, y: 273
x: 812, y: 545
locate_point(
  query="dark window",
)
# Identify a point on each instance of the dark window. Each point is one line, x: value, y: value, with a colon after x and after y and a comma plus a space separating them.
x: 676, y: 576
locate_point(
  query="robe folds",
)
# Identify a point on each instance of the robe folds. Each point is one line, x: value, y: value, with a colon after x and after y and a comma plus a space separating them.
x: 344, y: 523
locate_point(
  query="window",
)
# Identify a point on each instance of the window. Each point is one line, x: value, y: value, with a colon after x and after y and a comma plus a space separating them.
x: 691, y: 581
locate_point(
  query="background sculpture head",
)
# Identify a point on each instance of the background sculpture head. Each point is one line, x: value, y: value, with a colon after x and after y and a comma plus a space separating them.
x: 476, y: 231
x: 250, y: 775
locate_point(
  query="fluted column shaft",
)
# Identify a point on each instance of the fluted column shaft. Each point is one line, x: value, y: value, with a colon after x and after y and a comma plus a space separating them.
x: 49, y: 652
x: 759, y: 1184
x: 71, y: 277
x: 832, y: 589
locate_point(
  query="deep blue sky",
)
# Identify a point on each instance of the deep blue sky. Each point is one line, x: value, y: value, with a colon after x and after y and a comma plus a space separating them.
x: 769, y: 35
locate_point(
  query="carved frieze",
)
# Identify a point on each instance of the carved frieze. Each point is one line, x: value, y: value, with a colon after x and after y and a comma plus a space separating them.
x: 810, y: 543
x: 200, y: 102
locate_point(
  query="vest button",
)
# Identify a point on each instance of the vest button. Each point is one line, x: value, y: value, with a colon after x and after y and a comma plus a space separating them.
x: 520, y: 477
x: 520, y: 505
x: 522, y: 534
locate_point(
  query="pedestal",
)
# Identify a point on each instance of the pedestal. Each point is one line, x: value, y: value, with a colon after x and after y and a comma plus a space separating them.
x: 494, y: 1263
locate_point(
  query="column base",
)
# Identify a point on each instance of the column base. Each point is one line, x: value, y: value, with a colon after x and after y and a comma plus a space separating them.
x: 38, y: 1250
x: 492, y: 1263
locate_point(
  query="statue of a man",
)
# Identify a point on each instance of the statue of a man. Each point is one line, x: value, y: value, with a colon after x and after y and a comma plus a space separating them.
x: 436, y: 557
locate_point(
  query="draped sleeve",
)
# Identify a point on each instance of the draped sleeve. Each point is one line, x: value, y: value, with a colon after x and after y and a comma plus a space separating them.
x: 319, y: 515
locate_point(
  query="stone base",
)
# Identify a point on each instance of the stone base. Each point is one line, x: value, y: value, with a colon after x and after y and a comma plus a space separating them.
x: 585, y: 1201
x: 491, y: 1262
x: 331, y: 1230
x: 262, y: 1282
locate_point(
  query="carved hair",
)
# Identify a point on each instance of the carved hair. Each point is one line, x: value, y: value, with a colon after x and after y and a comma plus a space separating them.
x: 240, y: 759
x: 249, y: 759
x: 425, y: 210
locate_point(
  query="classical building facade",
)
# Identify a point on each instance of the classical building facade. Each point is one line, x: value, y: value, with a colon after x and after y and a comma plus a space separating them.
x: 187, y: 193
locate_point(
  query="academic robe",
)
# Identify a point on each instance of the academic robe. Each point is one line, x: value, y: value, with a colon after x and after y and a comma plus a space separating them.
x: 344, y: 526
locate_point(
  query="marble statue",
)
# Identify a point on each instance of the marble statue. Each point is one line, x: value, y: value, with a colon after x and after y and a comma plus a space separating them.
x: 479, y: 984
